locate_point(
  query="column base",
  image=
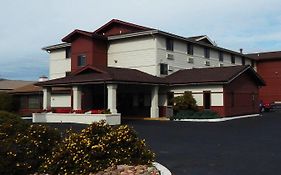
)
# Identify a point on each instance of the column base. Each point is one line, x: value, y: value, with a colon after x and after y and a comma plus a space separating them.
x: 154, y: 112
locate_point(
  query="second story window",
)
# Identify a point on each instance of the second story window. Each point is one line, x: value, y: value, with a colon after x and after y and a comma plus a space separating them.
x: 232, y: 59
x: 206, y: 52
x: 169, y: 44
x: 243, y: 61
x: 68, y: 52
x: 252, y: 63
x: 189, y: 49
x: 81, y: 60
x: 221, y: 56
x: 163, y: 69
x: 67, y: 73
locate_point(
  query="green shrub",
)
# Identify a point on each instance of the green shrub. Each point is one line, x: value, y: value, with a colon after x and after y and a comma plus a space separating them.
x: 96, y: 148
x: 187, y: 114
x: 6, y: 102
x: 185, y: 102
x: 26, y: 151
x: 10, y: 124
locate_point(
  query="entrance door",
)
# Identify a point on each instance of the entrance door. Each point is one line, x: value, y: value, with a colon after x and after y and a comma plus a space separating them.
x: 207, y: 99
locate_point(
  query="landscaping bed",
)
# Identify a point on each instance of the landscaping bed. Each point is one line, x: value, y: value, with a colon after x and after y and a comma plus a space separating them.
x: 27, y: 149
x: 189, y: 114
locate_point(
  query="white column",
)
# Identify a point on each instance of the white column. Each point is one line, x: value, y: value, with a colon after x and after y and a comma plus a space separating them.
x: 46, y: 98
x: 154, y: 110
x: 76, y: 97
x: 111, y: 98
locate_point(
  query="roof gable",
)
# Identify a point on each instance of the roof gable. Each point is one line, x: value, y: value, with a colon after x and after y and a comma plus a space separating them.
x: 203, y: 39
x: 88, y: 69
x: 117, y: 27
x: 216, y: 75
x: 77, y: 33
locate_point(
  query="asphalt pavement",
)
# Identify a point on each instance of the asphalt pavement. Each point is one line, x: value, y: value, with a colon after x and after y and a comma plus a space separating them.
x: 249, y: 146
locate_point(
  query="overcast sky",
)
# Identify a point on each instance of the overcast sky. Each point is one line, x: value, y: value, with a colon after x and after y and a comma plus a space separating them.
x: 28, y: 25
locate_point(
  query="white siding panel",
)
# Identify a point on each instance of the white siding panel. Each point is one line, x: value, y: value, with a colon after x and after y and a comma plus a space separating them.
x: 59, y: 100
x: 58, y: 64
x: 216, y: 93
x: 136, y: 53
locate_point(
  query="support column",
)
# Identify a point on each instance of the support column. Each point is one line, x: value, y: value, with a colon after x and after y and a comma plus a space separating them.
x: 77, y: 97
x: 154, y: 110
x: 46, y: 98
x: 111, y: 98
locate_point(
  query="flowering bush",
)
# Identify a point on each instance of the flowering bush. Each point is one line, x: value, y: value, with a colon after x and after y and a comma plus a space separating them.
x: 25, y: 152
x: 96, y: 148
x: 10, y: 125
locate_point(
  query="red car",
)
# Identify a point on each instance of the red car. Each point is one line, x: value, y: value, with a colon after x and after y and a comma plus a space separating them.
x: 266, y: 106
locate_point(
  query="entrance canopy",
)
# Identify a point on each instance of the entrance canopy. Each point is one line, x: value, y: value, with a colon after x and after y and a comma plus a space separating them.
x: 92, y: 75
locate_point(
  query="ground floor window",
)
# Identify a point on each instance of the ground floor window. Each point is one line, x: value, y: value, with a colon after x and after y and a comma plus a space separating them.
x: 34, y: 102
x: 207, y: 99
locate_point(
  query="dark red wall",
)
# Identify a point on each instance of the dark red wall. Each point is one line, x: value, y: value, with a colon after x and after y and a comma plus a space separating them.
x: 218, y: 109
x: 270, y: 71
x: 241, y: 96
x: 22, y: 105
x: 95, y: 51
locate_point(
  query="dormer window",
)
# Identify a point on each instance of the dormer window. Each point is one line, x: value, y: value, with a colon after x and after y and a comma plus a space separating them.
x: 81, y: 60
x: 163, y: 69
x: 169, y: 44
x: 232, y: 59
x: 221, y: 56
x: 243, y: 61
x: 189, y: 49
x: 68, y: 52
x: 206, y: 52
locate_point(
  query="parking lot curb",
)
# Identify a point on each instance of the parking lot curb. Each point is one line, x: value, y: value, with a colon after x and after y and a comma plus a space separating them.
x: 217, y: 119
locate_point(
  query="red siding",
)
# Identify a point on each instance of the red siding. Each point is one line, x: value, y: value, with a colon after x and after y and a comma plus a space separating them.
x: 95, y: 51
x: 241, y: 96
x: 218, y: 109
x: 270, y: 71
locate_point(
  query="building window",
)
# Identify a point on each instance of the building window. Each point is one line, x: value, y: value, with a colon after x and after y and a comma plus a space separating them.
x: 221, y: 56
x: 207, y: 99
x: 243, y: 61
x: 23, y: 102
x: 206, y: 52
x: 67, y: 73
x: 68, y: 52
x: 232, y: 59
x: 169, y: 44
x: 163, y: 69
x: 33, y: 102
x: 81, y: 60
x: 253, y: 63
x: 190, y: 49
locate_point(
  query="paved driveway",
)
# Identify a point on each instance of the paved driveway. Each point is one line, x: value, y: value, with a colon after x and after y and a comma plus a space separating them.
x: 240, y: 147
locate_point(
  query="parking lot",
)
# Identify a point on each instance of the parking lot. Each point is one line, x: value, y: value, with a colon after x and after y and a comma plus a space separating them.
x: 239, y: 147
x: 248, y: 146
